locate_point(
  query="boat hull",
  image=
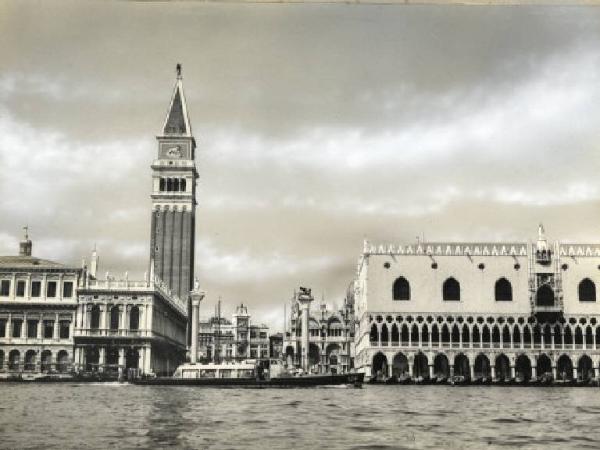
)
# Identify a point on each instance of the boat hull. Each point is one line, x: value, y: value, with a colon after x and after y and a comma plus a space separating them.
x: 354, y: 379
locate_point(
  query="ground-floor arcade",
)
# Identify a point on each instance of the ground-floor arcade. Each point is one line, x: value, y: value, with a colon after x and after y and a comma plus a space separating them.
x: 127, y: 357
x: 323, y: 357
x: 16, y: 360
x: 479, y: 365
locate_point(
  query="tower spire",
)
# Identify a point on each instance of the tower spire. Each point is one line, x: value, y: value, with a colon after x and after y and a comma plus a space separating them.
x: 177, y: 122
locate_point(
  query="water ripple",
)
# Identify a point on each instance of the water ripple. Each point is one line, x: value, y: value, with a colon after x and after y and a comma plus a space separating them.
x: 375, y: 417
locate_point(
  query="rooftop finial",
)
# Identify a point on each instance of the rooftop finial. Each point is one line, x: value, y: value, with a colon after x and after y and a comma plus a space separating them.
x: 178, y: 69
x: 26, y: 228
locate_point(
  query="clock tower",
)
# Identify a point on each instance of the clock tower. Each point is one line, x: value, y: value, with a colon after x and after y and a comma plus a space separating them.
x: 173, y: 196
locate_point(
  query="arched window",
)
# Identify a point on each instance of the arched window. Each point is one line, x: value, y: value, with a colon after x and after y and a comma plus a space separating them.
x: 544, y: 296
x: 95, y: 319
x: 384, y: 335
x: 401, y: 289
x: 451, y: 290
x: 465, y: 335
x: 169, y: 185
x: 134, y: 318
x: 182, y: 185
x: 587, y: 291
x: 414, y: 335
x: 176, y: 184
x: 445, y: 334
x: 114, y: 318
x: 395, y: 335
x: 503, y: 290
x: 425, y: 335
x: 374, y: 335
x: 455, y: 334
x: 404, y: 335
x: 162, y: 184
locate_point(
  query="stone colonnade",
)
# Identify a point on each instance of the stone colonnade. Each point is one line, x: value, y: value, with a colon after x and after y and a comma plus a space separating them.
x: 493, y: 365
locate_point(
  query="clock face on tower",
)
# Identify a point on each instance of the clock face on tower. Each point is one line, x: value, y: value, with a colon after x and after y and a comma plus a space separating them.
x: 174, y: 152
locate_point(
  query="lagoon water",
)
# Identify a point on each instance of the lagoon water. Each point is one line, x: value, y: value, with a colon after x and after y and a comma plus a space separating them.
x: 103, y: 416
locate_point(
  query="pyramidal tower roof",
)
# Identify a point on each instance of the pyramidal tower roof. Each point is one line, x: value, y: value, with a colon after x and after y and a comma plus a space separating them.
x: 177, y: 122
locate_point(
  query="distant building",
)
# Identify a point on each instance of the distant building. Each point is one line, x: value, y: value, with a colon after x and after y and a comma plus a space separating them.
x: 276, y: 345
x: 330, y: 337
x: 232, y: 340
x: 479, y: 310
x: 38, y: 303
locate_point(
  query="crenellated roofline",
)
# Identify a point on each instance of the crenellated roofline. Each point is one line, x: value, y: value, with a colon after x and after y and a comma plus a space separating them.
x: 476, y: 249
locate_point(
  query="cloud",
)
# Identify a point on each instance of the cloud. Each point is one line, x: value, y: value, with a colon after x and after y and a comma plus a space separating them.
x: 317, y: 125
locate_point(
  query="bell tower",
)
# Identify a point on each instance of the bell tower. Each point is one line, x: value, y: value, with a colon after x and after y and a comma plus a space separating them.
x: 173, y: 196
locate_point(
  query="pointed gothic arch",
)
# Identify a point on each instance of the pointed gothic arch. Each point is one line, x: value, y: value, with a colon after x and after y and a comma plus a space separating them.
x: 414, y: 335
x: 384, y: 334
x: 374, y: 335
x: 395, y: 334
x: 466, y: 335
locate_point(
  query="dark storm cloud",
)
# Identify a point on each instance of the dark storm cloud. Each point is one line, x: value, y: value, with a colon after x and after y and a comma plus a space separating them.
x: 317, y: 126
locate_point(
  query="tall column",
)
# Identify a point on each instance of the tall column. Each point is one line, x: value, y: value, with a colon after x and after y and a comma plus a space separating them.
x: 81, y: 310
x: 72, y: 326
x: 102, y: 324
x: 493, y: 373
x: 305, y: 298
x: 147, y: 359
x: 533, y: 372
x: 77, y: 357
x: 196, y: 295
x: 44, y: 286
x: 121, y: 361
x: 142, y: 309
x: 149, y: 317
x: 59, y: 287
x: 24, y: 327
x: 56, y: 327
x: 123, y: 318
x: 140, y: 359
x: 13, y: 287
x: 40, y: 328
x: 101, y: 359
x: 8, y: 328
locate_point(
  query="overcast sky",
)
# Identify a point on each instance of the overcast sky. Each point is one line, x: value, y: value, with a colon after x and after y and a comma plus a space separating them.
x: 317, y: 126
